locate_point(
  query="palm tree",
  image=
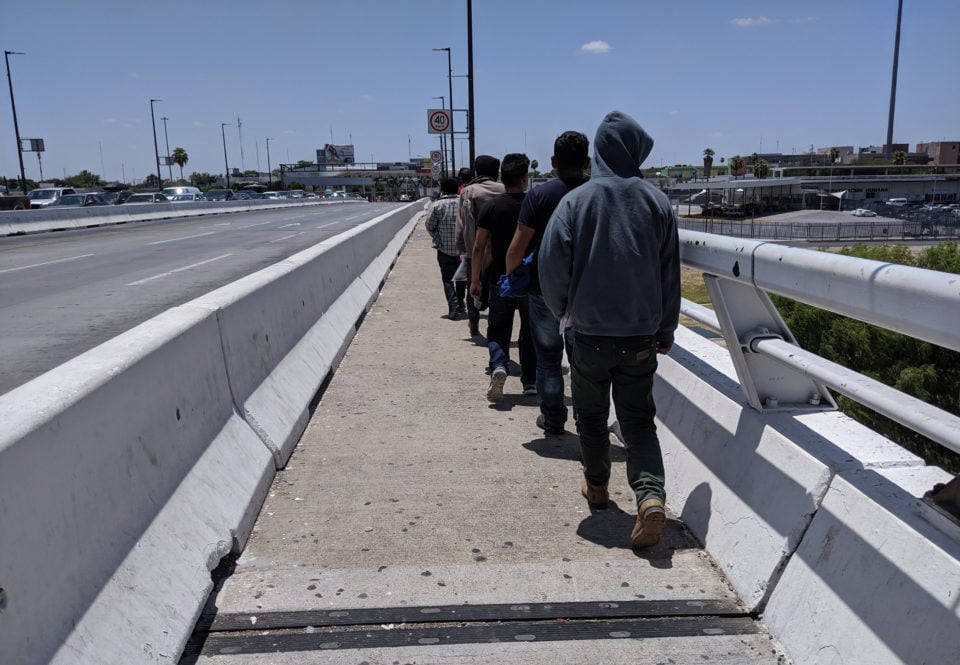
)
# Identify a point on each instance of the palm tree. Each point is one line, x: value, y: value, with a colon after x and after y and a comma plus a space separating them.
x: 707, y: 161
x: 761, y: 169
x: 737, y: 165
x: 180, y: 158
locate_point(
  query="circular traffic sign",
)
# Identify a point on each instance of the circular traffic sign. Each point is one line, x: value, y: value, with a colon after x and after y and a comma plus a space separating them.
x: 439, y: 121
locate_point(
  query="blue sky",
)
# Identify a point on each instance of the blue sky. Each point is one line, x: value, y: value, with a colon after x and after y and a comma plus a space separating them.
x: 738, y: 76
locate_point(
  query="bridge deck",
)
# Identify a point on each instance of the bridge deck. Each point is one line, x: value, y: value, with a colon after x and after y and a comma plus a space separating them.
x: 417, y: 523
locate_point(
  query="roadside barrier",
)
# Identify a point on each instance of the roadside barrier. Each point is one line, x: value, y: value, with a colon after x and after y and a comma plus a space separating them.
x: 129, y: 472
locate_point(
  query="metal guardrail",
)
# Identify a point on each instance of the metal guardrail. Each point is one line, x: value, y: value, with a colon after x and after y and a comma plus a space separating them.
x: 905, y: 229
x: 739, y: 273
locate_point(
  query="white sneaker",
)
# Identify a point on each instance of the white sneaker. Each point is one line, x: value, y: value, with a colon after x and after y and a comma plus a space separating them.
x: 497, y: 378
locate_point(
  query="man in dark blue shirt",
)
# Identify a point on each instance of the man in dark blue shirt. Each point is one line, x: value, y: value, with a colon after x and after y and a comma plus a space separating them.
x: 496, y: 223
x: 570, y: 159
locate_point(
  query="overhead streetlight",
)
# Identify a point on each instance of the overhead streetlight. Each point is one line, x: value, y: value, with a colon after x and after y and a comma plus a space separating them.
x: 16, y: 125
x: 453, y: 159
x: 167, y: 141
x: 470, y: 120
x: 226, y: 167
x: 156, y: 150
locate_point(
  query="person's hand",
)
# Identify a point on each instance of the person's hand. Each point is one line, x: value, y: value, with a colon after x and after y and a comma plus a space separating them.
x: 476, y: 291
x: 663, y: 349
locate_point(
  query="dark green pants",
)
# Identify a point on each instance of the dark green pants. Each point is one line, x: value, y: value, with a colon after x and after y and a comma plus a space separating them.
x: 627, y: 364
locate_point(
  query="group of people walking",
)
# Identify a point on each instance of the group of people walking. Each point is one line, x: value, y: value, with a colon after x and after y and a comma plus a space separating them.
x: 602, y: 255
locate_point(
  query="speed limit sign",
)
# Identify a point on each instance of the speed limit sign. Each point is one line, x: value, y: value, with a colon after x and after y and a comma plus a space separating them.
x: 438, y: 121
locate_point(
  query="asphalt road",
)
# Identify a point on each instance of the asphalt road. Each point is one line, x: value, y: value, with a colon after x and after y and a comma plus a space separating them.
x: 63, y: 293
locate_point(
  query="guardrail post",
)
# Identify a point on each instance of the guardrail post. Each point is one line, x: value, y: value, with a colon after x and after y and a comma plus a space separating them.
x: 746, y: 315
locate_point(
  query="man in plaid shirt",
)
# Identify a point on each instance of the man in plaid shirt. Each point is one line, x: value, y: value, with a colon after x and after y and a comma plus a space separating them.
x: 442, y: 227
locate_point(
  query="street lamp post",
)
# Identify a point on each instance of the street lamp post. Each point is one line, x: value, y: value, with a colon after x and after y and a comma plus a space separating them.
x: 16, y: 126
x: 226, y: 167
x: 269, y: 172
x: 470, y: 119
x: 453, y: 158
x: 156, y: 150
x: 443, y: 145
x: 167, y: 142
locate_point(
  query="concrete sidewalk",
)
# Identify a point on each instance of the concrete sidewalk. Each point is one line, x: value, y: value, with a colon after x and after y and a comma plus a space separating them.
x: 415, y: 520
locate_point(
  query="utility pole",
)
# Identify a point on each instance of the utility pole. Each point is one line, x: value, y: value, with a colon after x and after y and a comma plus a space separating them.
x: 226, y: 167
x: 470, y: 111
x: 240, y: 136
x: 156, y: 150
x: 269, y: 172
x: 167, y: 141
x: 16, y: 125
x: 893, y: 83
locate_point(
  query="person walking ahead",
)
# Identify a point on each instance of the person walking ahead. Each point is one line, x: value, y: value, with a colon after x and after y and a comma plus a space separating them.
x: 570, y: 159
x: 610, y: 265
x: 442, y: 227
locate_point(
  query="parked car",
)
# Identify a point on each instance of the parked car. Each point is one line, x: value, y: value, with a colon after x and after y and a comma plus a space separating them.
x: 863, y: 212
x: 171, y: 192
x: 155, y: 197
x: 710, y: 208
x: 274, y: 195
x: 10, y: 201
x: 219, y: 195
x: 79, y: 201
x: 117, y: 197
x: 41, y: 198
x: 186, y: 198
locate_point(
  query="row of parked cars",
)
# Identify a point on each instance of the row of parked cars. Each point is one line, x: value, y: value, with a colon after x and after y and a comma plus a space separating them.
x: 68, y: 197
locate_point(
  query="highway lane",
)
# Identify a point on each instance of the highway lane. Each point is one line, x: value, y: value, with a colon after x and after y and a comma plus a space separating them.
x: 63, y: 293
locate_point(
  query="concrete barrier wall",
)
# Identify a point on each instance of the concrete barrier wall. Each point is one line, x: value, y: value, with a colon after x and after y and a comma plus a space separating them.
x: 127, y: 473
x: 810, y: 517
x: 285, y: 328
x: 65, y: 219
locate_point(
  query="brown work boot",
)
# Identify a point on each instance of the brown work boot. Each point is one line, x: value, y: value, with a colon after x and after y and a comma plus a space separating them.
x: 650, y: 520
x: 596, y: 495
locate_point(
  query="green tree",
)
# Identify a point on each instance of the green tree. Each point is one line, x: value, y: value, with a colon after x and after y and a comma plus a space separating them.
x: 899, y: 157
x: 180, y: 158
x: 83, y: 179
x: 151, y: 182
x: 303, y: 163
x: 738, y: 166
x: 296, y: 184
x: 202, y: 179
x: 707, y: 162
x: 761, y: 169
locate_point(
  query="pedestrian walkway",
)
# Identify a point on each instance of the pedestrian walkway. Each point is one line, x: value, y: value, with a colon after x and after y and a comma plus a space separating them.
x: 418, y: 523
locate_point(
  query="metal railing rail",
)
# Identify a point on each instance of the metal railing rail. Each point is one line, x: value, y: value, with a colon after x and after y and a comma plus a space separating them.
x: 924, y: 304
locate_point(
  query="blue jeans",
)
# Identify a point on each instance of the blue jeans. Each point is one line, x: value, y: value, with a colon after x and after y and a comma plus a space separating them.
x: 452, y: 293
x: 549, y: 344
x: 500, y: 330
x: 628, y: 364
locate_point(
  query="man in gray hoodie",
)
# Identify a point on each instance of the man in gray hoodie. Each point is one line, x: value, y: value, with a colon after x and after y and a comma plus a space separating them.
x: 610, y: 270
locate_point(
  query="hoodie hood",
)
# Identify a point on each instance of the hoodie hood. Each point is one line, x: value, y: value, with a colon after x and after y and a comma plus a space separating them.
x: 620, y: 147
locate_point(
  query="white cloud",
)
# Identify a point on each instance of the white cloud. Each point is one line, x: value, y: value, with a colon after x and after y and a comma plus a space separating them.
x: 753, y: 22
x: 289, y: 131
x: 109, y: 121
x: 596, y: 47
x: 134, y: 75
x: 367, y: 98
x: 716, y: 135
x: 199, y: 123
x: 674, y: 112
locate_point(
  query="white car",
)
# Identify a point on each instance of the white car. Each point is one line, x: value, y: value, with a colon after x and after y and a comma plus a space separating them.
x: 863, y: 212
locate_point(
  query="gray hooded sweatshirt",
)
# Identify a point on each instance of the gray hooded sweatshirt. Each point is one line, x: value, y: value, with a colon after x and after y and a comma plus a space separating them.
x: 610, y: 256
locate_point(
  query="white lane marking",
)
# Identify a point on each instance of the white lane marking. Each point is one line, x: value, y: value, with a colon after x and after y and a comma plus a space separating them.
x: 172, y: 272
x: 46, y: 263
x: 323, y: 226
x: 292, y: 235
x: 250, y: 226
x: 286, y: 226
x: 199, y: 235
x: 349, y: 218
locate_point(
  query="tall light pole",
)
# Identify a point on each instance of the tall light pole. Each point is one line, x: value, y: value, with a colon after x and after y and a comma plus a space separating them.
x: 470, y: 120
x: 156, y: 150
x: 443, y: 145
x: 893, y: 83
x: 226, y: 167
x: 16, y: 125
x: 167, y: 141
x: 269, y: 172
x: 453, y: 160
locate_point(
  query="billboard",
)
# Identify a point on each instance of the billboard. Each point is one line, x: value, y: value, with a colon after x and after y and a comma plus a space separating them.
x: 335, y: 154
